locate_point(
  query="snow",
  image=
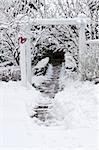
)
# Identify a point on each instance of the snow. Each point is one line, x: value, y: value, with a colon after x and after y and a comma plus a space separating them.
x: 69, y: 61
x: 19, y: 131
x: 92, y: 41
x: 55, y: 21
x: 3, y: 18
x: 22, y: 18
x: 77, y: 105
x: 42, y: 63
x: 38, y: 80
x: 3, y: 26
x: 51, y: 21
x: 82, y: 15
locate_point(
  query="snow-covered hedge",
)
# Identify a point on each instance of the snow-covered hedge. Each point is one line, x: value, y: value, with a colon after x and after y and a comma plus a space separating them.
x: 91, y: 61
x: 10, y: 73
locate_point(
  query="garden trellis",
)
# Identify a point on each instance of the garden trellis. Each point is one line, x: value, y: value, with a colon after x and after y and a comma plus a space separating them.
x: 25, y: 51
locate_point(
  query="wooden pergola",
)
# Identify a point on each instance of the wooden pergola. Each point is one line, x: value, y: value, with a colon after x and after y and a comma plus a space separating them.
x: 25, y: 51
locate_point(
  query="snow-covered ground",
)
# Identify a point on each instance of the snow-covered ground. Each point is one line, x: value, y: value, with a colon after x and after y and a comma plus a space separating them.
x: 19, y: 131
x: 77, y: 104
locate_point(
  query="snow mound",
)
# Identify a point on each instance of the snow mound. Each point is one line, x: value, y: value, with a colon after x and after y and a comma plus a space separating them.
x: 38, y: 80
x: 42, y: 63
x: 69, y: 61
x: 76, y: 106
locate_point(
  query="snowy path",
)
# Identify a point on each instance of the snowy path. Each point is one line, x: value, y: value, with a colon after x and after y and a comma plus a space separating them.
x: 18, y: 131
x: 49, y: 86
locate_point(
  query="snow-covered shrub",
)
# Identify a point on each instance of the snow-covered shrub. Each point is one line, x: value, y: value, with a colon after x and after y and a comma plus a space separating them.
x: 41, y: 67
x: 38, y: 80
x: 10, y: 73
x: 91, y: 63
x: 62, y: 77
x: 70, y: 62
x: 68, y: 70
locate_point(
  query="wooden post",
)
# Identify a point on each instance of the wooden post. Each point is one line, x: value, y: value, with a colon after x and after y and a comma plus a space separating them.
x: 25, y: 54
x: 28, y: 55
x: 82, y: 45
x: 23, y: 64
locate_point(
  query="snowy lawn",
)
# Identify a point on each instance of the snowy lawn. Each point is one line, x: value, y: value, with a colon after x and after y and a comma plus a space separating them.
x: 75, y: 108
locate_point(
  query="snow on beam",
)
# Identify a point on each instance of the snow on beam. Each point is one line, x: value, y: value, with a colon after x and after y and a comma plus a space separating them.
x: 61, y: 21
x: 54, y: 21
x: 92, y: 41
x: 3, y: 27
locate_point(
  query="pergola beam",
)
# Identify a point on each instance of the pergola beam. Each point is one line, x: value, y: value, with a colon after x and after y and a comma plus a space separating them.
x: 69, y: 21
x: 55, y: 21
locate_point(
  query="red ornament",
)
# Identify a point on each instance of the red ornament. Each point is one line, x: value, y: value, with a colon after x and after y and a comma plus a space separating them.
x: 22, y: 40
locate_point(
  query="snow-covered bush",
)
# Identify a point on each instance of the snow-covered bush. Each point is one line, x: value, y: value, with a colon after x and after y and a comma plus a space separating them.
x: 91, y: 64
x: 41, y: 67
x: 10, y: 73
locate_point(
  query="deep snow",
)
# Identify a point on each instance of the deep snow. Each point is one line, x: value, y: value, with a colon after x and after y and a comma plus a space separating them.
x: 77, y: 104
x: 19, y: 131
